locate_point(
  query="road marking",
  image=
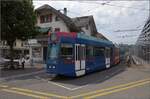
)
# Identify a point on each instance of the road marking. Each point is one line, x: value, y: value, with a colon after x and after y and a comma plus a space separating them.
x: 68, y: 88
x: 25, y: 94
x: 53, y: 83
x: 71, y: 89
x: 92, y: 94
x: 38, y: 92
x: 21, y: 75
x: 59, y: 85
x: 39, y: 78
x: 3, y: 86
x: 110, y: 88
x: 116, y: 90
x: 79, y: 87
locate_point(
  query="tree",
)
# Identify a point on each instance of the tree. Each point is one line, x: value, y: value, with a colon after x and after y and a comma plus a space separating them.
x: 18, y: 21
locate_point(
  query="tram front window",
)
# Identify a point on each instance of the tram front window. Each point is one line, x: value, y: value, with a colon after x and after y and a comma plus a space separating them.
x: 66, y: 51
x: 53, y: 51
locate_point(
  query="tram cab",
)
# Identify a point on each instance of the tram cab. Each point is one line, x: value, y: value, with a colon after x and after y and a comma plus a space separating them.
x: 60, y: 58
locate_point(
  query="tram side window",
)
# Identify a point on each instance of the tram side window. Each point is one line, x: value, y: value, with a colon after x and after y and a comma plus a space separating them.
x: 107, y: 53
x: 98, y: 51
x: 81, y: 53
x: 89, y: 51
x: 67, y: 51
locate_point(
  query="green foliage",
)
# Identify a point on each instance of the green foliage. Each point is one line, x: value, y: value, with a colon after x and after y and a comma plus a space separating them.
x: 18, y: 20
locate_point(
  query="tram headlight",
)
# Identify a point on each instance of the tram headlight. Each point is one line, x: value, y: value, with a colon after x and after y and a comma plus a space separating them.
x: 52, y: 66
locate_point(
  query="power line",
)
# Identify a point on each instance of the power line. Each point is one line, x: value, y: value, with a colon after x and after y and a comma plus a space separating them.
x: 128, y: 7
x: 129, y: 30
x: 127, y: 36
x: 108, y: 4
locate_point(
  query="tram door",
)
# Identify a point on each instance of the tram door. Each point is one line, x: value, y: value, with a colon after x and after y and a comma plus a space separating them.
x: 107, y: 57
x: 80, y: 59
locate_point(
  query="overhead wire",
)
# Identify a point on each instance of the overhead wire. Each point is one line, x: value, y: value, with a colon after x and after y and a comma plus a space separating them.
x: 108, y: 4
x: 129, y: 30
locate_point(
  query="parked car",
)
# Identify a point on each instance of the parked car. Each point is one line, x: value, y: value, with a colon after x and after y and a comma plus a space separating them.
x: 1, y: 61
x: 5, y: 62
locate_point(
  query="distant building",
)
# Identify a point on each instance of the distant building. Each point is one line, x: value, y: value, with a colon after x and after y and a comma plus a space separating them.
x: 86, y: 24
x: 143, y: 43
x: 20, y: 47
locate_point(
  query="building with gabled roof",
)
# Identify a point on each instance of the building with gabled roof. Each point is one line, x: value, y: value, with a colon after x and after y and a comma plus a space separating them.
x: 51, y: 20
x: 86, y: 24
x: 48, y: 17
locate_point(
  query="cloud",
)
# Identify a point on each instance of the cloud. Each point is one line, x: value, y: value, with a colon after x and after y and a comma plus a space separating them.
x: 117, y: 15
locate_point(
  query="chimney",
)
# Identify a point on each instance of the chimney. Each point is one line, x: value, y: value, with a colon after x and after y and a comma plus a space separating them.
x: 65, y: 11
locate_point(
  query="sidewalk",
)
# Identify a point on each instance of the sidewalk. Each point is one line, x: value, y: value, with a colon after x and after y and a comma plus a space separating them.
x: 4, y: 73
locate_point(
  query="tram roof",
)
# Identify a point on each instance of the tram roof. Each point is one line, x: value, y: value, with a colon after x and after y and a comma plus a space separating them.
x: 83, y: 38
x: 92, y: 40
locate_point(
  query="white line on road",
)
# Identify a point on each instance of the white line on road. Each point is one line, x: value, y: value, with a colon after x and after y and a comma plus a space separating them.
x: 68, y: 88
x: 71, y: 89
x: 59, y: 85
x: 80, y: 87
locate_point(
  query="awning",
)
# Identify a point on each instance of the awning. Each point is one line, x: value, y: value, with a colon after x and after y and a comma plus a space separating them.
x: 43, y: 30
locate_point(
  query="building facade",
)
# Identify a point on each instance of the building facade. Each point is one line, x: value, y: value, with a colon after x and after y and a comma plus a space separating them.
x: 86, y: 24
x: 20, y: 47
x: 142, y: 47
x: 47, y: 19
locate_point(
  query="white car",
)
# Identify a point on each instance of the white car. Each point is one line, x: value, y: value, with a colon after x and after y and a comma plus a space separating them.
x: 1, y: 61
x: 5, y: 62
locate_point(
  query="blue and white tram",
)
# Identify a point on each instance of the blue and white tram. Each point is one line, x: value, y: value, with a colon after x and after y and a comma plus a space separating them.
x: 75, y: 54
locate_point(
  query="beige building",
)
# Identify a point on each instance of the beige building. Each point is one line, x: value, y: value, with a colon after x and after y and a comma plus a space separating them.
x: 54, y: 20
x: 20, y: 47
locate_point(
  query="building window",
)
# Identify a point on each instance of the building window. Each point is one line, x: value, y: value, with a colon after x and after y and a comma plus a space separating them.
x: 87, y: 27
x: 14, y: 43
x: 36, y: 52
x: 41, y: 19
x: 46, y: 18
x: 49, y: 18
x: 57, y: 18
x: 22, y: 44
x: 50, y: 29
x: 57, y: 29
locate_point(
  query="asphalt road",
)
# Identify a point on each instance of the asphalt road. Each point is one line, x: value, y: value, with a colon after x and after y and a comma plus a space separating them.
x: 118, y: 82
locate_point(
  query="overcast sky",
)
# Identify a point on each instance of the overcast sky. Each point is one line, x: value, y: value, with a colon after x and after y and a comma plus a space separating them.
x: 109, y: 16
